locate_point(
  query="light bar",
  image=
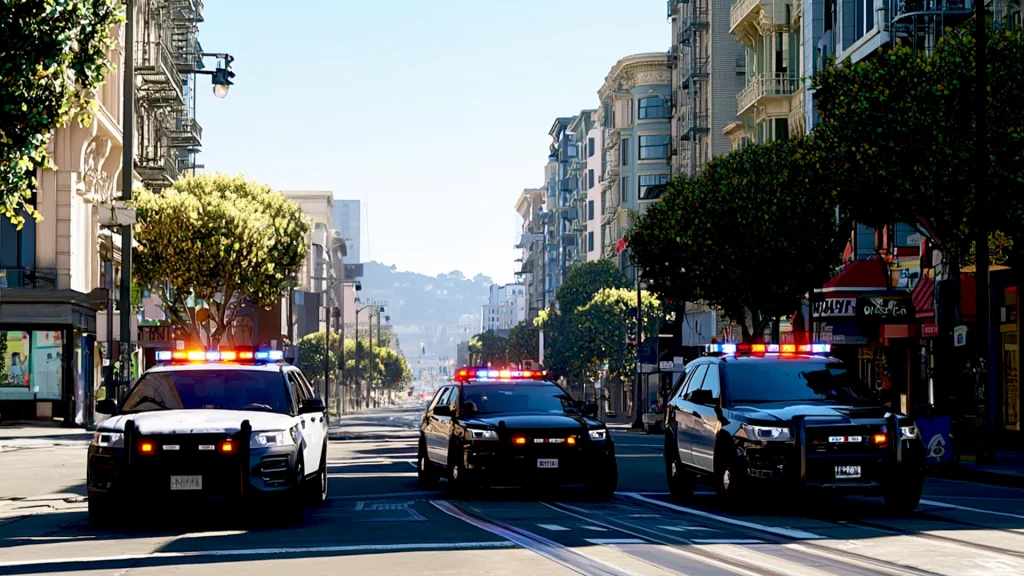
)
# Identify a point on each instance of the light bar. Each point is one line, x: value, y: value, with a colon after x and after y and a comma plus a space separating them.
x: 818, y: 348
x: 485, y: 373
x: 164, y: 355
x: 181, y: 356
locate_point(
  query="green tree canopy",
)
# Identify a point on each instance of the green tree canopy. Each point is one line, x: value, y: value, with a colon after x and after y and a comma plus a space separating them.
x: 605, y: 323
x: 223, y: 240
x: 587, y: 279
x: 897, y: 136
x: 488, y: 348
x: 53, y: 55
x: 750, y: 235
x: 385, y: 367
x: 311, y: 356
x: 523, y: 342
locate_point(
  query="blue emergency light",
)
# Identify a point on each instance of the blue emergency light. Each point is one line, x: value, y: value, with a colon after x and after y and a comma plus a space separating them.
x: 728, y: 348
x: 183, y: 356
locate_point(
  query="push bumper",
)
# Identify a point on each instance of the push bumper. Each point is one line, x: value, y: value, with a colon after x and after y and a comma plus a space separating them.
x: 500, y: 464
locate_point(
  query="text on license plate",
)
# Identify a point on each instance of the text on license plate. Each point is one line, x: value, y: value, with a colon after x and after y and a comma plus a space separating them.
x: 842, y: 439
x: 847, y: 471
x: 186, y: 482
x: 549, y: 463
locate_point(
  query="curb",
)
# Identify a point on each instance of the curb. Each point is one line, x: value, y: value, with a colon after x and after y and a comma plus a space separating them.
x: 341, y: 436
x: 979, y: 476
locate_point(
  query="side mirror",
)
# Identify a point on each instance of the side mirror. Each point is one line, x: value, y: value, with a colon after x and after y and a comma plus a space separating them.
x: 442, y: 410
x: 106, y: 406
x: 589, y: 409
x: 703, y: 397
x: 312, y: 405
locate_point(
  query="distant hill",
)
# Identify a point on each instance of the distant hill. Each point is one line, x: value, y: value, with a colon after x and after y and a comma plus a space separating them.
x: 420, y: 299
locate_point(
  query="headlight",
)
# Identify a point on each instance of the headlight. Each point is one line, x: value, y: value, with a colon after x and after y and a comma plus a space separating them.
x: 908, y: 432
x: 598, y: 435
x: 273, y: 438
x: 108, y: 439
x: 481, y: 434
x: 765, y: 432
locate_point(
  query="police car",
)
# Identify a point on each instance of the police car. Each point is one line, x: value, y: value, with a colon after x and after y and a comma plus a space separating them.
x: 513, y: 427
x: 201, y: 426
x: 749, y: 417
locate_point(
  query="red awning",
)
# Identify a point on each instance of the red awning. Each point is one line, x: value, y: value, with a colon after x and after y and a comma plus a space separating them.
x: 924, y: 297
x: 867, y: 275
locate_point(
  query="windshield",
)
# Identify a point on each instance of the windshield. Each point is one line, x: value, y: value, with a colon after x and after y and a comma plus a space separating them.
x: 509, y: 398
x: 791, y: 381
x: 209, y: 390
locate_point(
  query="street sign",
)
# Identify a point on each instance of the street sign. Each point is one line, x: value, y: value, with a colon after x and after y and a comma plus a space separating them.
x: 960, y: 336
x: 886, y: 309
x: 665, y: 365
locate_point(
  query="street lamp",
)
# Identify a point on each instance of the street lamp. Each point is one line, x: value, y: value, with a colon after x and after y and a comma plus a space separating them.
x: 222, y: 75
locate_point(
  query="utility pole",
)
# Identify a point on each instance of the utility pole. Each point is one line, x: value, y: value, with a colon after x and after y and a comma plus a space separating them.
x: 981, y: 162
x: 127, y: 182
x: 327, y: 354
x: 638, y: 419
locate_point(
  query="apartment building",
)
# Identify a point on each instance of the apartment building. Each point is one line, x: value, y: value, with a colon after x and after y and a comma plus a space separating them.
x: 532, y: 273
x: 593, y: 148
x: 584, y: 178
x: 636, y: 116
x: 347, y: 220
x: 708, y: 67
x: 506, y: 307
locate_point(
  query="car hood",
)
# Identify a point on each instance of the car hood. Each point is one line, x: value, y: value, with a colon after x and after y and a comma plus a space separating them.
x: 786, y: 411
x: 527, y: 421
x: 198, y: 421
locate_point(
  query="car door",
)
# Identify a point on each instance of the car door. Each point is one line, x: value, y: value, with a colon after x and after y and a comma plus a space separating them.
x: 445, y: 425
x: 437, y: 443
x: 307, y: 422
x: 708, y: 423
x: 317, y: 428
x: 683, y: 414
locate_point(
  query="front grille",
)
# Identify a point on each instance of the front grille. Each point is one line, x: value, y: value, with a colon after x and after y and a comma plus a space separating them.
x: 188, y: 455
x: 854, y: 439
x: 274, y: 470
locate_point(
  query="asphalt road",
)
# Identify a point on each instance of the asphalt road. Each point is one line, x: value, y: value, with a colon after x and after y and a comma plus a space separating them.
x: 379, y: 521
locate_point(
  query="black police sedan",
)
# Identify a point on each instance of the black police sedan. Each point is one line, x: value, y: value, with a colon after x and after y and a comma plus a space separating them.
x: 512, y: 427
x: 744, y: 417
x: 205, y: 426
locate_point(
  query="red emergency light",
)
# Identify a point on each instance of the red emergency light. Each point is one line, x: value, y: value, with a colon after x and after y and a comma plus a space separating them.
x: 489, y: 374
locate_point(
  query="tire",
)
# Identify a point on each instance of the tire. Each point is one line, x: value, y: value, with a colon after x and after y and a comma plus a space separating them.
x: 291, y: 509
x: 460, y: 480
x: 605, y: 483
x: 903, y: 495
x: 730, y: 481
x: 681, y: 482
x: 102, y: 511
x: 316, y: 489
x: 426, y: 472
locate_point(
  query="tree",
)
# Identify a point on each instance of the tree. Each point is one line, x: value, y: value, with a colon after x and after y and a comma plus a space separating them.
x: 488, y: 348
x: 395, y: 370
x: 897, y: 132
x: 750, y: 235
x: 53, y: 55
x: 311, y: 356
x: 523, y: 343
x: 225, y: 241
x: 587, y: 279
x: 606, y: 322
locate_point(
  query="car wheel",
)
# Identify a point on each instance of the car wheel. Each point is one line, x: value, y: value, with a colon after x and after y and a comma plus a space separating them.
x: 101, y: 511
x: 425, y: 469
x: 603, y: 485
x: 291, y: 509
x: 460, y: 480
x: 903, y: 495
x: 316, y: 490
x: 681, y: 482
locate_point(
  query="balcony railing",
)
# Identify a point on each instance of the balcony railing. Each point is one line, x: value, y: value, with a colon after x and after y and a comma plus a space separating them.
x: 911, y: 8
x: 161, y: 82
x: 766, y: 86
x: 743, y: 11
x: 187, y: 133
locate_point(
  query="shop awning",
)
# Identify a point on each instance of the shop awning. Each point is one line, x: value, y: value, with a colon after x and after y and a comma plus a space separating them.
x: 924, y: 297
x: 868, y: 275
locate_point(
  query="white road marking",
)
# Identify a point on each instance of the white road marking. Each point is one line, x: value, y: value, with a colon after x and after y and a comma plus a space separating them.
x: 391, y: 496
x: 414, y: 464
x: 594, y: 528
x: 969, y: 509
x: 553, y: 527
x: 214, y: 534
x: 371, y: 475
x: 266, y: 552
x: 787, y: 532
x: 727, y: 541
x: 609, y: 541
x: 685, y: 528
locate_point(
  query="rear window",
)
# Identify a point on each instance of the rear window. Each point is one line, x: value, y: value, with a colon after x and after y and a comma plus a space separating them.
x: 791, y: 381
x: 210, y: 390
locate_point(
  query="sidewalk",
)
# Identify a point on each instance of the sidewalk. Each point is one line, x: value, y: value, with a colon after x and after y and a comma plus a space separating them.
x: 1007, y: 471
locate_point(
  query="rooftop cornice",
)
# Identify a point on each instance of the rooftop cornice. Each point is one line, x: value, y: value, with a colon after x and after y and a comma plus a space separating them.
x: 636, y: 70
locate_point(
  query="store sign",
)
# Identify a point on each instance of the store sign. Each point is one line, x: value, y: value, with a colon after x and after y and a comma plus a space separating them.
x: 886, y: 309
x: 835, y: 308
x: 929, y: 330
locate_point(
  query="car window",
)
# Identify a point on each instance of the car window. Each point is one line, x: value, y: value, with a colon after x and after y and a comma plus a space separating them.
x: 695, y: 381
x: 209, y: 390
x: 442, y: 397
x: 712, y: 383
x: 453, y: 399
x: 507, y: 398
x: 680, y: 385
x: 792, y: 381
x: 299, y: 391
x: 311, y: 390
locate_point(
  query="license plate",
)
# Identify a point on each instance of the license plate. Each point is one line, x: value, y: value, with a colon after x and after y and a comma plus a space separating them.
x: 186, y: 482
x: 843, y: 439
x: 552, y: 463
x: 847, y: 471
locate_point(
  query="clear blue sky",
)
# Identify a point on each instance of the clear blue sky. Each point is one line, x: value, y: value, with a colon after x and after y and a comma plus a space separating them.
x: 434, y: 114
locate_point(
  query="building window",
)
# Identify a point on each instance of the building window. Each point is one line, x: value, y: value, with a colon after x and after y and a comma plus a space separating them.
x: 590, y: 178
x: 624, y: 190
x: 654, y: 146
x: 590, y: 210
x: 648, y: 180
x: 625, y: 151
x: 17, y: 250
x: 653, y: 107
x: 590, y: 147
x: 590, y: 241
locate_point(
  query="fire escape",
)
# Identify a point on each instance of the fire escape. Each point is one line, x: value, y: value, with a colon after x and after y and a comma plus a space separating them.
x: 920, y: 23
x: 695, y: 73
x: 169, y: 136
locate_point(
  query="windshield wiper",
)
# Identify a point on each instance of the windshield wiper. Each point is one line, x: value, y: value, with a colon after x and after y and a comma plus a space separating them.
x: 151, y: 400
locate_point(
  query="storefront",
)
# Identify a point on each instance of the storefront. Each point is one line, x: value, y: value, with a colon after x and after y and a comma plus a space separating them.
x: 47, y: 354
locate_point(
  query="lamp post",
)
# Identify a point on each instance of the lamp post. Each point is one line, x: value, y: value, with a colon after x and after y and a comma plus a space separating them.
x: 221, y: 81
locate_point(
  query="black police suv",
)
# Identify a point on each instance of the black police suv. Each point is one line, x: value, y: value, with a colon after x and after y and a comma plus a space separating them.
x: 742, y: 422
x: 510, y: 427
x: 197, y: 431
